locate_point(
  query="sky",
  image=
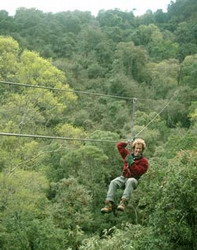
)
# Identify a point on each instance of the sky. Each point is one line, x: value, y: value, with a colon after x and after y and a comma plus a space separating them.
x: 93, y: 6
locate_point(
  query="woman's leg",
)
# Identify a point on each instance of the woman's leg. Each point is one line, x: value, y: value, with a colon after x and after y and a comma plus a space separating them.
x: 118, y: 182
x: 130, y: 185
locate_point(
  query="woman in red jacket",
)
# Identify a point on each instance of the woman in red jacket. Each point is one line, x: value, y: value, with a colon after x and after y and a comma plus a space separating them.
x: 135, y: 165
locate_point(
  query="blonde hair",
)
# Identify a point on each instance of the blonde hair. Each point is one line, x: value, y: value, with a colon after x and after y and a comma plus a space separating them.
x: 139, y: 141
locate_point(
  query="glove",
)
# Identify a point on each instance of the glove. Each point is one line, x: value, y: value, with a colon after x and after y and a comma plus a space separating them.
x: 129, y: 160
x: 129, y: 141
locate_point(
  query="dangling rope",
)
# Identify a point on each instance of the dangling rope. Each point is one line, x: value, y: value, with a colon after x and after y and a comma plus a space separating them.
x: 133, y: 116
x: 165, y: 106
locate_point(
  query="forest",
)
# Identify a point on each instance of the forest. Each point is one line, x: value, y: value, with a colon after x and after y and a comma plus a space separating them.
x: 72, y: 85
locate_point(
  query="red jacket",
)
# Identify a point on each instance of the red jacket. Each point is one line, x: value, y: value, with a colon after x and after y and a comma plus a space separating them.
x: 138, y: 168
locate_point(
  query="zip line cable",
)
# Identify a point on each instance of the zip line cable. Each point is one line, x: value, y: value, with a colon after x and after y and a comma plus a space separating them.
x: 67, y: 90
x: 53, y: 137
x: 79, y: 139
x: 63, y: 90
x: 155, y: 116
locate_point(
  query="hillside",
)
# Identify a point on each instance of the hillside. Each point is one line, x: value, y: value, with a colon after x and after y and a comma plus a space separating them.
x: 71, y: 86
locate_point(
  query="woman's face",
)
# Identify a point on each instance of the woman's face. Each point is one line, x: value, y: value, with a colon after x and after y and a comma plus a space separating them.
x: 138, y: 149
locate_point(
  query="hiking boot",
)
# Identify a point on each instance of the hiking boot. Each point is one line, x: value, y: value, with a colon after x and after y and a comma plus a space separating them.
x: 108, y: 208
x: 122, y: 205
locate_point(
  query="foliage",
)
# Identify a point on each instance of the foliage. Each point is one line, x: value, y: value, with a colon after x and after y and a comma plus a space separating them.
x: 23, y: 209
x: 92, y: 81
x: 71, y: 208
x: 175, y: 213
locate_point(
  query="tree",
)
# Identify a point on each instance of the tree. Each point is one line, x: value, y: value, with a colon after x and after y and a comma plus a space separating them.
x: 24, y: 213
x: 6, y: 22
x: 130, y: 60
x: 164, y: 77
x: 71, y: 209
x: 189, y: 71
x: 174, y: 216
x: 145, y: 34
x: 193, y: 114
x: 34, y: 70
x: 9, y: 50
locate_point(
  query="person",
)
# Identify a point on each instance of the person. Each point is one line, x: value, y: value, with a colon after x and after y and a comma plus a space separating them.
x: 134, y: 166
